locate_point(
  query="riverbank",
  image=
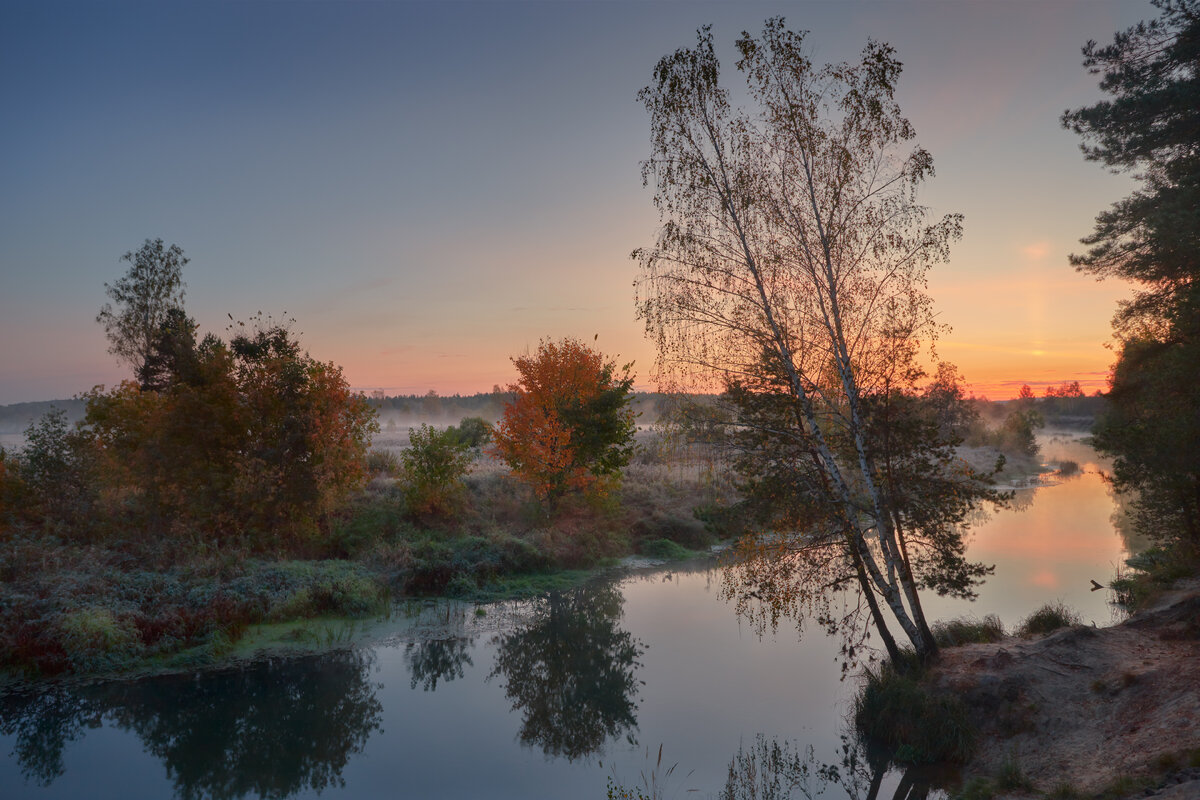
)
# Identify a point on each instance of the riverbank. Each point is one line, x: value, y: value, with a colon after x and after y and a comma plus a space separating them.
x: 1087, y: 712
x: 134, y: 606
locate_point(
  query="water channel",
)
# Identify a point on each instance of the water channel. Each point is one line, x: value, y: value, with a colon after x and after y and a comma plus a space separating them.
x: 546, y: 699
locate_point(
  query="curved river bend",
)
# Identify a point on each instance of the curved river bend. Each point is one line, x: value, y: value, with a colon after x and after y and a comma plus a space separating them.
x: 549, y: 699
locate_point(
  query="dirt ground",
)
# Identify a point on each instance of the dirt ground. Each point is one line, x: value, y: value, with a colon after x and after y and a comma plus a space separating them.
x: 1086, y: 706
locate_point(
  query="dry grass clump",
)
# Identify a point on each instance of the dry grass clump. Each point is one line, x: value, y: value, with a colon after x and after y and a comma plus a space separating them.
x: 967, y: 630
x: 1049, y: 618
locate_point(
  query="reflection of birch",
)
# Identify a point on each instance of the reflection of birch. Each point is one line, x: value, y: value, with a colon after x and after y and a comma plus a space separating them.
x: 774, y: 770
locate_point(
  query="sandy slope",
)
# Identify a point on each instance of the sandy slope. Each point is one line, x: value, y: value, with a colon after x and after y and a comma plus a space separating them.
x: 1084, y: 706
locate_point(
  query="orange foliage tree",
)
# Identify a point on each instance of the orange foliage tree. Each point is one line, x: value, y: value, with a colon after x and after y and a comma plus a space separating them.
x: 253, y: 441
x: 569, y: 426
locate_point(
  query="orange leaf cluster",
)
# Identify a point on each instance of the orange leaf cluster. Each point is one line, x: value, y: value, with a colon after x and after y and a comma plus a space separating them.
x: 535, y: 435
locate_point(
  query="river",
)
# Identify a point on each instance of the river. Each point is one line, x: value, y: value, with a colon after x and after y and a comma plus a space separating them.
x: 545, y: 699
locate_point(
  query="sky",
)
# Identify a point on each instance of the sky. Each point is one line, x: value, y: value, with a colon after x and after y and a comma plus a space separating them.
x: 430, y: 188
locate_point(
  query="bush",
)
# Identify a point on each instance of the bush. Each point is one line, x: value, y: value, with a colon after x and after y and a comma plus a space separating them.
x: 1156, y: 569
x: 437, y: 566
x: 690, y: 533
x: 966, y: 630
x: 96, y: 641
x: 899, y: 712
x: 664, y: 549
x: 1049, y: 618
x: 471, y: 432
x: 435, y: 464
x: 53, y: 474
x: 383, y: 462
x: 373, y: 518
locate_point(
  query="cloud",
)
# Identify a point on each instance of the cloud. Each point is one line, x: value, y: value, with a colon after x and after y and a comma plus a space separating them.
x: 1036, y: 251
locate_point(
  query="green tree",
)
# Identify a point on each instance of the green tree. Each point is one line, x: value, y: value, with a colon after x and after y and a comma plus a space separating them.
x: 435, y: 464
x: 141, y: 301
x: 1150, y: 126
x: 790, y: 268
x: 54, y: 480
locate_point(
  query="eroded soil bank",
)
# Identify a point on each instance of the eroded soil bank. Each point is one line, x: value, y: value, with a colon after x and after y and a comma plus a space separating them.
x: 1087, y: 707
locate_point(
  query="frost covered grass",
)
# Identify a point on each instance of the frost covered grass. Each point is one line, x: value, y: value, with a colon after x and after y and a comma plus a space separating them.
x: 68, y: 607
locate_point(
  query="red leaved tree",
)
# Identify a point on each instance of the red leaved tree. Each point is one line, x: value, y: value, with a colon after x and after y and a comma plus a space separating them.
x: 569, y: 426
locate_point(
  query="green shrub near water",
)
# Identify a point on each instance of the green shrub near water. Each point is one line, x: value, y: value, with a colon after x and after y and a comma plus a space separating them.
x: 664, y: 549
x: 1155, y: 570
x: 896, y: 710
x: 97, y: 641
x: 471, y: 432
x: 467, y: 563
x: 110, y: 620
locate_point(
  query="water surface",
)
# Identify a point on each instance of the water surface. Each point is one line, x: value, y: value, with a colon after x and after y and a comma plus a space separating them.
x: 545, y: 699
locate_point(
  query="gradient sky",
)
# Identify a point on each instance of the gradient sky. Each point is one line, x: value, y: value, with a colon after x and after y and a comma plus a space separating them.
x: 429, y: 188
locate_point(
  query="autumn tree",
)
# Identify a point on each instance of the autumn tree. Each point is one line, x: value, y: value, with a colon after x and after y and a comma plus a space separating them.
x: 252, y: 441
x: 790, y: 269
x: 141, y: 301
x: 568, y: 426
x: 1150, y: 126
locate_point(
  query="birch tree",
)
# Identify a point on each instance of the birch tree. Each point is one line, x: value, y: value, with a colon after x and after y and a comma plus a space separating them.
x: 142, y: 299
x: 790, y: 269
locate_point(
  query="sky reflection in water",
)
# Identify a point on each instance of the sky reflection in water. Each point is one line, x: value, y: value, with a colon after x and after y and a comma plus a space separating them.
x: 547, y: 699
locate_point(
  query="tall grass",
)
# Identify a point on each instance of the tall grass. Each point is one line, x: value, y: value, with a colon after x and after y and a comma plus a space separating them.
x: 1049, y: 618
x: 967, y: 630
x: 918, y: 725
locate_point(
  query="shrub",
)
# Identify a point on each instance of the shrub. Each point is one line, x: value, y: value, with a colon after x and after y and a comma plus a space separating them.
x: 383, y: 462
x: 1067, y: 468
x: 96, y: 641
x: 471, y: 432
x: 1016, y: 435
x: 664, y: 549
x: 690, y: 533
x: 372, y: 518
x: 1048, y: 618
x: 977, y: 788
x: 1011, y: 777
x: 435, y: 464
x: 966, y: 630
x: 53, y: 473
x: 919, y: 726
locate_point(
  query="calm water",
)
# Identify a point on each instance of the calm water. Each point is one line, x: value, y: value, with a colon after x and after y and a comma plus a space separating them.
x: 536, y: 700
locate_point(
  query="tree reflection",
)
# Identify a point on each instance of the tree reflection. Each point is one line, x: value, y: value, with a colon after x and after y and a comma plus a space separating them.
x: 571, y: 672
x: 269, y: 730
x: 774, y: 770
x: 436, y: 659
x: 43, y: 723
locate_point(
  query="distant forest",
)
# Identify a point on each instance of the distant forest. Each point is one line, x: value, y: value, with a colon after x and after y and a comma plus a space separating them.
x: 429, y: 407
x: 1076, y: 412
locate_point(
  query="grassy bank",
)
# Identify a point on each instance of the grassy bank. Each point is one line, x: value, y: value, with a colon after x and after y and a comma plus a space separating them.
x: 170, y: 603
